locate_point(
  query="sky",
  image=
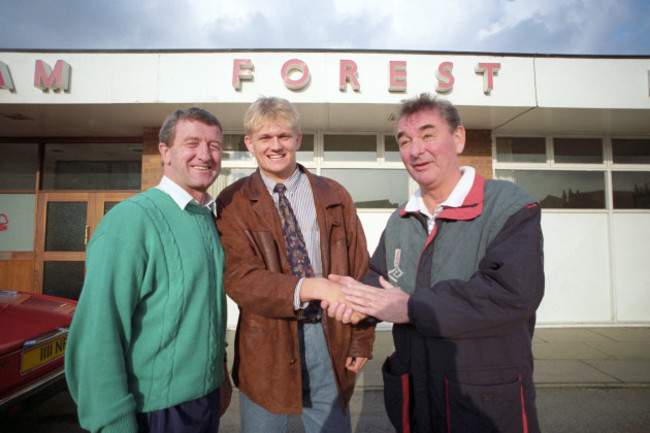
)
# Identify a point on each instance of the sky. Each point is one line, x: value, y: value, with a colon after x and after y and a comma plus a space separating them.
x: 580, y: 27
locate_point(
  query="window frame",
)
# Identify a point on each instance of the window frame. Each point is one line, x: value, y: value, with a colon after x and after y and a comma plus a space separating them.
x: 607, y: 167
x: 318, y: 163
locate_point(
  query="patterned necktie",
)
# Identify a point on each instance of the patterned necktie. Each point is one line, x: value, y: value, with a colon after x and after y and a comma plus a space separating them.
x: 296, y: 248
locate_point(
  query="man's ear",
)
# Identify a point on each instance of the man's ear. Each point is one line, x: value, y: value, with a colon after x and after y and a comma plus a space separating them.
x: 249, y: 144
x: 298, y: 141
x: 459, y: 139
x: 164, y: 151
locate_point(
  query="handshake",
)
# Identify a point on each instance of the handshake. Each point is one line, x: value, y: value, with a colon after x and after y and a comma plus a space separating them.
x: 350, y: 301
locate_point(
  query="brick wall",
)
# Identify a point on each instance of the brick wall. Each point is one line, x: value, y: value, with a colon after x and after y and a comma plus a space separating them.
x: 152, y: 169
x: 478, y: 151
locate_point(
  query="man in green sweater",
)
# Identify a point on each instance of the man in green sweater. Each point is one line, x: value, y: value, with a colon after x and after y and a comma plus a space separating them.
x: 146, y: 347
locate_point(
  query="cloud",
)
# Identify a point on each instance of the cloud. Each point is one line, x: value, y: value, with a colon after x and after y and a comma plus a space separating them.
x: 500, y: 26
x: 558, y: 26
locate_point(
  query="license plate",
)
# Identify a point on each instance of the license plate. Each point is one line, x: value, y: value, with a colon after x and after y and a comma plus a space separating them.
x: 34, y: 358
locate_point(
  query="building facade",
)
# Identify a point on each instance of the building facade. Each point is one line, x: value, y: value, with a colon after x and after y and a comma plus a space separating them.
x: 78, y: 134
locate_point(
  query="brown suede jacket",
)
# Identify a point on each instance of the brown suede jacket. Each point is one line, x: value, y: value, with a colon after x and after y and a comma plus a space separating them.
x: 257, y: 278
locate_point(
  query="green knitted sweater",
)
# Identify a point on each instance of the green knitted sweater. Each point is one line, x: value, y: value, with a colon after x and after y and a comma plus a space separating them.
x: 149, y: 330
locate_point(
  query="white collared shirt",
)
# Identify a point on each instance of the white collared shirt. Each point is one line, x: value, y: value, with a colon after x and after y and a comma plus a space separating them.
x: 455, y: 199
x: 182, y: 197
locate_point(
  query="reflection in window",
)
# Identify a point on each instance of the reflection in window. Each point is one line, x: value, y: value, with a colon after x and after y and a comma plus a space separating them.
x: 631, y: 151
x: 88, y: 166
x: 391, y: 148
x: 631, y: 189
x: 560, y: 189
x: 578, y: 150
x: 521, y: 149
x: 372, y: 188
x: 350, y: 148
x: 18, y: 166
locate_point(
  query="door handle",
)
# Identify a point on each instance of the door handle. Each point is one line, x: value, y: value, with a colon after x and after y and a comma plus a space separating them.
x: 86, y: 236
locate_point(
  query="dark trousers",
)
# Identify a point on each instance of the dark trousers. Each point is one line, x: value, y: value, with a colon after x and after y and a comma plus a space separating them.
x: 196, y: 416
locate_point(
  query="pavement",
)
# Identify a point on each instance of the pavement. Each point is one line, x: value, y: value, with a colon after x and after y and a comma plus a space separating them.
x: 564, y: 357
x: 590, y: 380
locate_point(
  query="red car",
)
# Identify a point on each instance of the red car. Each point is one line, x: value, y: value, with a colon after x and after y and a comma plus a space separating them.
x: 34, y: 331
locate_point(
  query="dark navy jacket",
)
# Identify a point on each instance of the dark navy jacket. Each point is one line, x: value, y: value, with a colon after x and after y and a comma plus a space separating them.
x: 475, y: 284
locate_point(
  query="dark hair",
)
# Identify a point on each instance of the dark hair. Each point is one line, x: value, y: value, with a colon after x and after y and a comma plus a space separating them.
x: 168, y: 130
x: 427, y: 102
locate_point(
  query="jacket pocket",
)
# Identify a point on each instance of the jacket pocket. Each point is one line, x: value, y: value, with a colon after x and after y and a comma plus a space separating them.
x: 398, y: 393
x: 265, y: 247
x: 487, y: 400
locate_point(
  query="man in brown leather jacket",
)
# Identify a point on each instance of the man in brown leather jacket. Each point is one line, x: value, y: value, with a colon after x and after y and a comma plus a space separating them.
x: 289, y: 358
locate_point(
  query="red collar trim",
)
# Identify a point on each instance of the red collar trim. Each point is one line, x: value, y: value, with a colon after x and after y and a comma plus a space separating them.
x: 471, y: 208
x: 404, y: 212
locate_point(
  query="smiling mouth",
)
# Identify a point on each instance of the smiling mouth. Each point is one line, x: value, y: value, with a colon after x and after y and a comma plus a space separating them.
x: 420, y: 165
x: 276, y: 157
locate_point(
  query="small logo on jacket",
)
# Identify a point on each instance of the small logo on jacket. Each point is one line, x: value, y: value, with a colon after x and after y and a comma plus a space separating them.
x: 395, y: 273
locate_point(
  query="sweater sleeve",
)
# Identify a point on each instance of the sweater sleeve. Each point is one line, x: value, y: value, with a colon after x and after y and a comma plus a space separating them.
x: 506, y: 289
x: 100, y: 333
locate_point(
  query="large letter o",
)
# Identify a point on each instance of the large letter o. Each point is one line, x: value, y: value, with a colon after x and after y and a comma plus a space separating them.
x: 295, y: 65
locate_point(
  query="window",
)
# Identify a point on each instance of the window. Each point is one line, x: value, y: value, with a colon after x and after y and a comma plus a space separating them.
x: 18, y: 166
x: 627, y: 151
x: 521, y: 149
x: 92, y: 166
x: 578, y: 150
x: 561, y: 189
x: 306, y: 151
x: 391, y: 152
x: 631, y: 189
x: 350, y: 148
x: 574, y: 172
x: 367, y: 165
x: 372, y: 189
x: 234, y: 148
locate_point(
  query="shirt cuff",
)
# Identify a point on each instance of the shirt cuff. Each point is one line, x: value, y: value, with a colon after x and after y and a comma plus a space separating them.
x: 297, y: 305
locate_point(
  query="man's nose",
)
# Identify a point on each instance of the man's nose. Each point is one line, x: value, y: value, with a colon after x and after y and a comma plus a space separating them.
x: 417, y: 147
x: 203, y: 151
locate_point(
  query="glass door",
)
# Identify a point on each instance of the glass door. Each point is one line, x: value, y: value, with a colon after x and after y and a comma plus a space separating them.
x: 65, y: 224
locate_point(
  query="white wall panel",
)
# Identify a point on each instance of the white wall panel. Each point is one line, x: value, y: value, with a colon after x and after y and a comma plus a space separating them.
x: 373, y: 223
x: 576, y: 263
x: 17, y: 222
x: 632, y: 264
x: 590, y: 83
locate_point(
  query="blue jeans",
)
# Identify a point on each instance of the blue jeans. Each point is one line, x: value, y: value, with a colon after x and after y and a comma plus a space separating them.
x: 321, y: 409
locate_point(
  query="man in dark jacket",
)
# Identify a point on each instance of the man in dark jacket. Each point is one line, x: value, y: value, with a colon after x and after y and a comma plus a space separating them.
x: 459, y: 271
x: 289, y: 359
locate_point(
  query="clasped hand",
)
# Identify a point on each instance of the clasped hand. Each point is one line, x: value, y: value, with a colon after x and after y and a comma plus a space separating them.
x: 329, y: 292
x: 389, y: 303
